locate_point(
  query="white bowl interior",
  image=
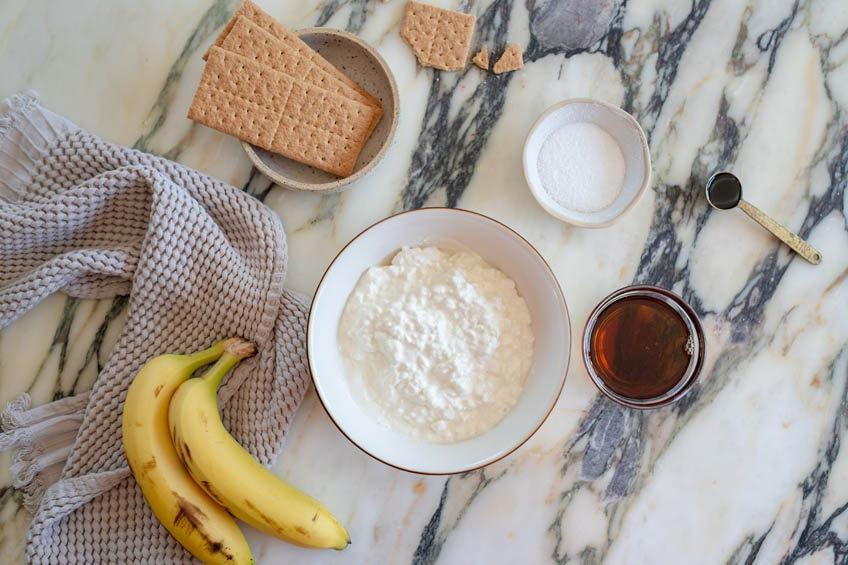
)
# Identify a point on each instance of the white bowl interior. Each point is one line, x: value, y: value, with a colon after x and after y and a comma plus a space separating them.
x: 500, y: 247
x: 622, y: 127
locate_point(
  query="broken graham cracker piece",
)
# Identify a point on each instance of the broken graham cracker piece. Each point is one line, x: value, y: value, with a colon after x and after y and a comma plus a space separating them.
x: 298, y: 120
x: 511, y: 60
x: 248, y: 39
x: 439, y: 38
x: 481, y: 59
x: 264, y: 20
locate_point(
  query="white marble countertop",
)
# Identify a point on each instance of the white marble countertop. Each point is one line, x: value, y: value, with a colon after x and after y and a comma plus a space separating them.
x: 747, y: 469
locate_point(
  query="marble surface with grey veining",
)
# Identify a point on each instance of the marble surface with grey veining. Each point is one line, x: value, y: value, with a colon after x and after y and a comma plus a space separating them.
x: 749, y: 468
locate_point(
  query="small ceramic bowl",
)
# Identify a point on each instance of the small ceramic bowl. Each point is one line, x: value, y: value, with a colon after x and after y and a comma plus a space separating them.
x: 500, y: 247
x: 362, y: 63
x: 622, y: 127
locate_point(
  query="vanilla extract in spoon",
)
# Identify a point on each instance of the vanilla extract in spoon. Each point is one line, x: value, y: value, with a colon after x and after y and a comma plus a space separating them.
x: 724, y: 191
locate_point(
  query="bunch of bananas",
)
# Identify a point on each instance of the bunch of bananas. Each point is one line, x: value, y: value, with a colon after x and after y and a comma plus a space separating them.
x: 192, y: 472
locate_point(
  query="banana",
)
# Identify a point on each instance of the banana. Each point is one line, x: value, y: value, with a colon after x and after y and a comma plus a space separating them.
x: 233, y: 477
x: 201, y: 525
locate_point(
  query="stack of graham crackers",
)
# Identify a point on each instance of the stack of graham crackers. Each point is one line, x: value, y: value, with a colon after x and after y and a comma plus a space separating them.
x: 265, y: 86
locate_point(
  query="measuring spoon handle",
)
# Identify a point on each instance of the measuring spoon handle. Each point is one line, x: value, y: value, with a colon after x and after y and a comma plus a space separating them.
x: 800, y: 246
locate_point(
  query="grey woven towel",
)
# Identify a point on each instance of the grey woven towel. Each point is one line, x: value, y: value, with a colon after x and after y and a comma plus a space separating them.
x: 200, y: 261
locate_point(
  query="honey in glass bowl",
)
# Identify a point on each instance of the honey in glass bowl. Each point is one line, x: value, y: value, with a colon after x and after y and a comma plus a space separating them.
x: 643, y: 346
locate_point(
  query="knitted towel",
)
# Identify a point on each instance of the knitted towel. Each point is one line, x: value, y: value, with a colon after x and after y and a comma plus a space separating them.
x: 200, y: 261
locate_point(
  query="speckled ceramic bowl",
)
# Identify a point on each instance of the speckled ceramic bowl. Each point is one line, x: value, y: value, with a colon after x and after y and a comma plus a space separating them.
x: 360, y: 62
x: 500, y: 247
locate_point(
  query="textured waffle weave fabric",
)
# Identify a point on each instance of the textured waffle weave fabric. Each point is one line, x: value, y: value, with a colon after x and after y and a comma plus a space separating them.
x: 200, y: 261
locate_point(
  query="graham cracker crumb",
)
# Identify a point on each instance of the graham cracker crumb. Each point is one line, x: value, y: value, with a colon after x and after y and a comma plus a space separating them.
x: 481, y: 59
x: 511, y: 60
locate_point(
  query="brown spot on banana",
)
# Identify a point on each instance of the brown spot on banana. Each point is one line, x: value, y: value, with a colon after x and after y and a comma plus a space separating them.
x: 191, y: 516
x: 277, y: 528
x: 315, y: 517
x: 189, y: 512
x: 157, y: 390
x: 187, y: 452
x: 207, y: 486
x: 150, y: 464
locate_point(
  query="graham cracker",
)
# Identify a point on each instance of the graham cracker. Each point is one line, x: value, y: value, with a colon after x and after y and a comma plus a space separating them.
x: 257, y: 104
x: 255, y: 14
x: 248, y: 39
x: 511, y: 60
x: 439, y: 38
x: 481, y: 59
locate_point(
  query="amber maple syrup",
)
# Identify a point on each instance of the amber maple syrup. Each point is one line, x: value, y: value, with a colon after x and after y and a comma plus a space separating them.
x: 645, y: 345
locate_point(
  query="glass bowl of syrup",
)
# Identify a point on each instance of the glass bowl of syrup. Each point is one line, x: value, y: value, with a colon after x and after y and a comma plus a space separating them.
x: 643, y: 346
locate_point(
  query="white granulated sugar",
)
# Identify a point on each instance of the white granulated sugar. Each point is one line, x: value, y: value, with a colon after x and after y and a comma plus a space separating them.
x: 437, y: 345
x: 581, y: 167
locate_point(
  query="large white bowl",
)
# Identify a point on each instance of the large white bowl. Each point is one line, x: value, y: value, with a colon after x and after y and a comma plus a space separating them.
x: 502, y: 248
x: 617, y: 123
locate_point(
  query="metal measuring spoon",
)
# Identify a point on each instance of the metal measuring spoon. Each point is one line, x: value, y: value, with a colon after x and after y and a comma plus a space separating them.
x: 724, y: 191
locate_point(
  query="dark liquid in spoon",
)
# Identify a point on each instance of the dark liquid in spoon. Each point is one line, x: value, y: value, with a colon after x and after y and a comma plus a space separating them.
x: 724, y: 191
x: 640, y: 347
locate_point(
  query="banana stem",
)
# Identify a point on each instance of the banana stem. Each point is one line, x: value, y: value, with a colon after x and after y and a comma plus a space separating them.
x: 235, y: 349
x: 201, y: 358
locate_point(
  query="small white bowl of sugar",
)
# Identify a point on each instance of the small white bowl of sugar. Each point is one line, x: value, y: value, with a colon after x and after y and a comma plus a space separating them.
x: 587, y: 162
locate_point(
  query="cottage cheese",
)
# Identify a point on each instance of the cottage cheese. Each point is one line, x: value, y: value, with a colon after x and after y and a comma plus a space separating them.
x: 437, y: 345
